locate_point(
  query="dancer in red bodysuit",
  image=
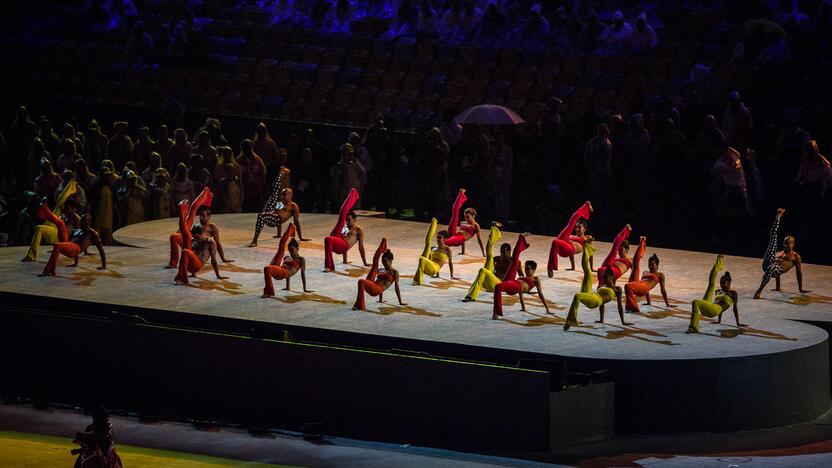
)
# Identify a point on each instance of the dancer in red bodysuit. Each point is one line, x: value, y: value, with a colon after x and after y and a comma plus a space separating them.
x: 205, y: 198
x: 377, y: 282
x: 82, y: 238
x: 344, y: 235
x: 461, y: 232
x: 636, y: 288
x: 512, y: 285
x: 284, y: 267
x: 196, y: 249
x: 618, y: 264
x: 566, y: 244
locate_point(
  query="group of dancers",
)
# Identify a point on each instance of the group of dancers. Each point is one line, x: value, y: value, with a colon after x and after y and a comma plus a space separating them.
x: 192, y: 246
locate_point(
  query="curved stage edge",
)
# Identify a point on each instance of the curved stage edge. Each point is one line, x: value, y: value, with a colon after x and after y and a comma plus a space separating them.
x: 774, y: 373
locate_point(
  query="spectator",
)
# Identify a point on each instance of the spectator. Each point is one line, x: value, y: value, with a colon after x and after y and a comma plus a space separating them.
x: 103, y: 201
x: 450, y: 129
x: 143, y: 147
x: 49, y: 138
x: 644, y: 37
x: 736, y: 122
x: 503, y: 156
x: 229, y: 177
x: 213, y: 126
x: 38, y: 154
x: 161, y: 196
x: 154, y: 164
x: 132, y: 198
x: 47, y: 181
x: 617, y: 36
x: 19, y: 140
x: 427, y: 21
x: 729, y: 185
x: 814, y: 178
x: 265, y: 147
x: 121, y: 146
x: 183, y: 187
x: 181, y: 150
x: 96, y: 144
x: 69, y: 133
x: 597, y: 157
x: 347, y: 174
x: 139, y: 50
x: 205, y: 149
x: 254, y: 177
x: 83, y: 176
x: 67, y: 159
x: 163, y: 143
x: 308, y: 178
x: 435, y: 168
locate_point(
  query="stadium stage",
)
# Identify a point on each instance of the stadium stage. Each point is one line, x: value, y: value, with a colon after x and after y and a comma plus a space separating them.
x: 773, y: 372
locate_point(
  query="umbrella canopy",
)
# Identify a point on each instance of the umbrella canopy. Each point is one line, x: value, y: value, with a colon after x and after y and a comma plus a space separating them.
x: 489, y: 114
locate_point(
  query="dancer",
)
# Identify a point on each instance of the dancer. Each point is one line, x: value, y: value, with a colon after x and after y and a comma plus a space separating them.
x: 47, y: 233
x: 284, y: 267
x: 494, y: 269
x: 277, y: 211
x: 196, y: 249
x: 459, y: 234
x: 377, y: 282
x: 205, y: 198
x: 512, y: 285
x: 726, y: 297
x: 82, y: 238
x: 432, y: 260
x: 344, y: 235
x: 776, y: 263
x: 617, y: 264
x: 211, y: 230
x: 635, y: 288
x: 597, y: 299
x: 567, y: 244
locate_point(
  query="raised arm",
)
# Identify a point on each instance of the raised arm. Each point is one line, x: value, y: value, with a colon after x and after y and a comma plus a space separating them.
x: 798, y: 271
x: 396, y: 286
x: 213, y: 251
x: 303, y: 274
x: 663, y: 289
x: 618, y: 294
x: 215, y: 230
x: 360, y: 235
x: 540, y: 294
x: 451, y: 265
x: 96, y: 239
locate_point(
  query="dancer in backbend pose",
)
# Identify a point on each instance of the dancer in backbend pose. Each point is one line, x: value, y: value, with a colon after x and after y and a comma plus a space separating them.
x: 597, y: 299
x: 82, y: 237
x: 432, y: 260
x: 617, y: 264
x: 284, y: 267
x: 725, y: 298
x: 344, y: 235
x: 635, y: 288
x: 205, y: 198
x: 567, y: 244
x: 468, y: 228
x: 494, y: 269
x: 196, y: 249
x: 378, y: 281
x: 512, y: 285
x: 776, y: 263
x: 277, y: 211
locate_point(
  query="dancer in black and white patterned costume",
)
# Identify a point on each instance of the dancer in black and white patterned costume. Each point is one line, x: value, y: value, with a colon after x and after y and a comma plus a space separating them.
x: 278, y: 208
x: 775, y: 262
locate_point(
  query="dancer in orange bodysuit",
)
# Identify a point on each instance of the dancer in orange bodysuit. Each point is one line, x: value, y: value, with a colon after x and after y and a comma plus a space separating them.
x: 566, y: 244
x: 196, y: 249
x: 205, y: 198
x: 284, y: 267
x: 377, y: 282
x: 635, y: 288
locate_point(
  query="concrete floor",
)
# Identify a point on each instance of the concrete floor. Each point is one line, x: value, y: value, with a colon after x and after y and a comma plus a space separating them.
x: 436, y: 312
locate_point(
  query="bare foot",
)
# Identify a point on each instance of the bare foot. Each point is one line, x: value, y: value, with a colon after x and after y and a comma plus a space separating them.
x: 169, y: 266
x: 497, y: 224
x: 27, y: 259
x: 780, y: 212
x: 590, y: 206
x: 756, y: 295
x: 692, y: 330
x: 47, y: 274
x: 252, y: 244
x: 267, y: 295
x: 551, y: 273
x: 566, y: 326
